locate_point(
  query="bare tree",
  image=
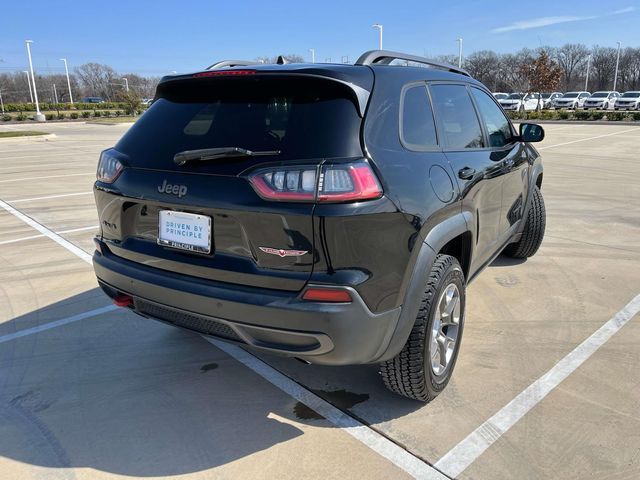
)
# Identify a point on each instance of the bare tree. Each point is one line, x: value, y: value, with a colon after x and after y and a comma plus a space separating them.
x: 99, y: 80
x: 603, y: 66
x: 482, y: 66
x: 572, y: 59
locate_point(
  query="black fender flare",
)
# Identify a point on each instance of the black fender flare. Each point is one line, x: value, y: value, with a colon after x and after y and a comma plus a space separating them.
x: 436, y: 238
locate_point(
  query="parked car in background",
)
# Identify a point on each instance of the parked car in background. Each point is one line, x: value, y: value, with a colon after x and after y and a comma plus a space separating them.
x: 571, y: 100
x: 520, y: 102
x: 628, y: 101
x: 603, y: 100
x: 500, y: 95
x: 93, y: 100
x: 146, y: 101
x: 548, y: 99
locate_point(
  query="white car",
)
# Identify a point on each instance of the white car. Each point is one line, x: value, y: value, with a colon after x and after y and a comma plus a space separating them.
x: 571, y: 100
x: 628, y: 101
x: 601, y: 100
x: 520, y: 102
x: 549, y: 98
x: 500, y: 95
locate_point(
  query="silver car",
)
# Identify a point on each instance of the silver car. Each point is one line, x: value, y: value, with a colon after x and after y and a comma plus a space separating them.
x: 603, y: 100
x: 571, y: 100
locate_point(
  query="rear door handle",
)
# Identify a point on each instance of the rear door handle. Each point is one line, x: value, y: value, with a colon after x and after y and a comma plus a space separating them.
x: 466, y: 173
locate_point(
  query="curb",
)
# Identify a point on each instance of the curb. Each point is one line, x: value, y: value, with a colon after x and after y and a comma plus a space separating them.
x: 30, y: 138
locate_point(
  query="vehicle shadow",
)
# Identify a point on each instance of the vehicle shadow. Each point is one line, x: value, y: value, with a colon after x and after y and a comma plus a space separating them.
x: 127, y: 395
x: 506, y: 261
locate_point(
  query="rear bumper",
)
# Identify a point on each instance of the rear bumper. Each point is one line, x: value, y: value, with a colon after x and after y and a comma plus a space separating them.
x: 271, y: 320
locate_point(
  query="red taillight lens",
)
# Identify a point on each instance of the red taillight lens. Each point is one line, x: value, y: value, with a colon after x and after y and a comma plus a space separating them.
x: 329, y: 295
x: 349, y: 182
x: 221, y: 73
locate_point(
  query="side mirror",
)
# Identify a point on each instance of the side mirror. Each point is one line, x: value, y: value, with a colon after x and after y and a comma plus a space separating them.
x: 530, y: 132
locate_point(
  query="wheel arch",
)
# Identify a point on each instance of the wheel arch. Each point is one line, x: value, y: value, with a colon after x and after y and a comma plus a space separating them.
x: 451, y: 236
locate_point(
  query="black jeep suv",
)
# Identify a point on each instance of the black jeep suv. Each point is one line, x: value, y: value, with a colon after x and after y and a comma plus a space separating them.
x: 333, y: 213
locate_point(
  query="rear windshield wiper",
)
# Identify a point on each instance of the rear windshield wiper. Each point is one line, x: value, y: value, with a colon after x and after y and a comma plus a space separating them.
x: 221, y: 152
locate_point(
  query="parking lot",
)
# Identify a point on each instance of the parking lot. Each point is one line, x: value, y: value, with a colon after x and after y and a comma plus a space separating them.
x: 91, y: 391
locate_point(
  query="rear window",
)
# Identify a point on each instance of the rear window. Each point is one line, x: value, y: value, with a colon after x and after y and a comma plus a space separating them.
x: 303, y: 118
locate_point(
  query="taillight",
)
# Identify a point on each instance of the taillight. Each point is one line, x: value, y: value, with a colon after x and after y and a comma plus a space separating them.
x: 340, y: 182
x: 109, y: 167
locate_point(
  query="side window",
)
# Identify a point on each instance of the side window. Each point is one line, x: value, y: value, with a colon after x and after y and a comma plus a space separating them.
x: 418, y: 130
x: 456, y: 117
x: 496, y: 124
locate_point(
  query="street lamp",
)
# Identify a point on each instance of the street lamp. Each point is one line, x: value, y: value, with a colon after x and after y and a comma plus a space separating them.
x: 39, y: 116
x: 313, y: 55
x: 29, y: 84
x: 459, y: 40
x: 126, y: 83
x: 586, y: 80
x: 1, y: 102
x: 66, y: 69
x: 615, y: 78
x: 379, y: 27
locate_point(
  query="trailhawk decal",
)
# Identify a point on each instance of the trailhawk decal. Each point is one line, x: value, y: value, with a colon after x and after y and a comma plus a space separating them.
x: 283, y: 253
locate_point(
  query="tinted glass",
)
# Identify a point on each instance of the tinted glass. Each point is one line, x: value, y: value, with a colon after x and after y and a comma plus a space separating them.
x: 515, y: 96
x: 301, y: 118
x: 600, y: 95
x: 496, y: 123
x: 418, y: 128
x: 456, y: 117
x: 631, y: 95
x: 570, y: 95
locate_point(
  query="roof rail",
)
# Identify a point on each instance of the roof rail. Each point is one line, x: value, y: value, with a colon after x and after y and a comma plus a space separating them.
x: 385, y: 57
x: 231, y: 63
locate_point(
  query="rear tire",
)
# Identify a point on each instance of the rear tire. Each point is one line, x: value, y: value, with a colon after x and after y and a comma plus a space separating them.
x: 533, y: 232
x: 424, y: 366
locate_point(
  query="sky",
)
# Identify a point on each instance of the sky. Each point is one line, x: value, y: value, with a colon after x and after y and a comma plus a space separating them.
x: 159, y: 37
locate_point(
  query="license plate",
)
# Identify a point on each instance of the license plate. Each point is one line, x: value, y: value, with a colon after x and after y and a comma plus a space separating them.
x: 186, y: 231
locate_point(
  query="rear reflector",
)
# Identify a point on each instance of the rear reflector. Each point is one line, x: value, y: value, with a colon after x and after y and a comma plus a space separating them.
x: 122, y: 300
x: 221, y: 73
x: 331, y: 295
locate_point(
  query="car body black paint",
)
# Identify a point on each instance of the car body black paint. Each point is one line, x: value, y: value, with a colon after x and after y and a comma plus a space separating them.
x: 378, y: 249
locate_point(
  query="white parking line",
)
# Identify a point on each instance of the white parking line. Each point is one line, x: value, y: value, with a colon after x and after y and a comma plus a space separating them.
x: 48, y: 233
x: 590, y: 138
x: 57, y: 323
x: 48, y: 176
x: 372, y: 439
x: 49, y: 197
x: 469, y: 449
x: 40, y: 235
x: 40, y: 166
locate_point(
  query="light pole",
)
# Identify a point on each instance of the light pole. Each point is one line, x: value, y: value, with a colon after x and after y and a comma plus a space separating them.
x: 379, y: 27
x: 39, y: 116
x: 1, y: 102
x: 66, y: 69
x: 55, y: 93
x: 459, y: 40
x: 615, y: 77
x: 29, y: 83
x: 586, y: 80
x: 313, y: 55
x: 126, y: 83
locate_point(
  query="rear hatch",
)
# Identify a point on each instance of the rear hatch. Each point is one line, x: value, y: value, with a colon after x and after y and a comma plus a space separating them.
x: 293, y: 118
